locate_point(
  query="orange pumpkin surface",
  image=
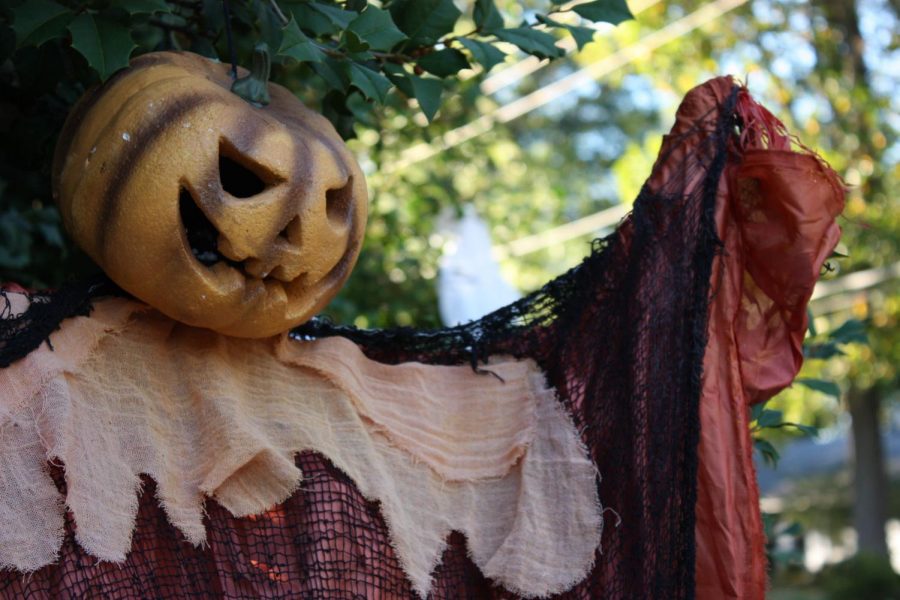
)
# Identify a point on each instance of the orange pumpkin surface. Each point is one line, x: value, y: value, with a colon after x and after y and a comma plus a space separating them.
x: 241, y: 219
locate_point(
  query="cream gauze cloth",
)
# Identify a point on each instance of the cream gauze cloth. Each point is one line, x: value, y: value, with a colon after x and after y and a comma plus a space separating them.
x: 128, y: 391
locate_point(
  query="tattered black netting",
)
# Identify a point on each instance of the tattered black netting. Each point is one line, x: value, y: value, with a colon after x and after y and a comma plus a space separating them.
x: 621, y: 337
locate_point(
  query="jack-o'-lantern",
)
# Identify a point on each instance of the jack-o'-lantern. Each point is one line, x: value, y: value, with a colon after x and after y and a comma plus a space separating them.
x: 239, y: 218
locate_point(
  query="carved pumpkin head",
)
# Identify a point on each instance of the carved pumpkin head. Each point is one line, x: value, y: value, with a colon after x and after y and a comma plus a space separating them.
x: 220, y: 214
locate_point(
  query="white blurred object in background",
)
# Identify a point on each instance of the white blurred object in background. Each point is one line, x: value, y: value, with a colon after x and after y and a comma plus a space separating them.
x: 470, y: 284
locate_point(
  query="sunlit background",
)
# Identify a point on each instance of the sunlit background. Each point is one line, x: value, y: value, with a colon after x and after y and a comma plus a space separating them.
x: 507, y: 189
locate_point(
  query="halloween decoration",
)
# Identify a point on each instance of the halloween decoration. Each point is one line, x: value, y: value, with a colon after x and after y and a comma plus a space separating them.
x: 240, y: 218
x: 654, y: 346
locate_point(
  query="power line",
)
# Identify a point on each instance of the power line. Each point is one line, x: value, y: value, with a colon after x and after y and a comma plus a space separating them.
x: 555, y: 90
x: 573, y: 229
x: 856, y: 282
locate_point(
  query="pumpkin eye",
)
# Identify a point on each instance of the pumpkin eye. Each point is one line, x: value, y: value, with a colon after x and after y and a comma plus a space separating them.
x: 338, y: 203
x: 238, y: 176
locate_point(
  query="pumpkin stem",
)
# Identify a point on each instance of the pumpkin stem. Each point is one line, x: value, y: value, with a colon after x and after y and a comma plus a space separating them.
x: 254, y: 88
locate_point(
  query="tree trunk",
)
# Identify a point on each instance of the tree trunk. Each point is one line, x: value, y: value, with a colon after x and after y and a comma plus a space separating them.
x: 869, y: 478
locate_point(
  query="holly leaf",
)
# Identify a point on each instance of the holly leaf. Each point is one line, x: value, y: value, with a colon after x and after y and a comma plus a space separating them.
x: 296, y: 45
x: 604, y: 11
x: 428, y: 94
x: 371, y: 84
x: 811, y: 322
x: 332, y: 72
x: 145, y: 7
x: 37, y: 21
x: 756, y: 410
x: 770, y: 418
x: 339, y: 17
x: 334, y: 108
x: 487, y: 55
x: 400, y: 78
x: 823, y: 351
x: 444, y: 63
x: 852, y: 330
x: 769, y: 453
x: 806, y: 429
x: 106, y: 45
x: 313, y: 21
x: 353, y: 43
x: 581, y: 35
x: 425, y: 21
x: 377, y: 28
x: 829, y: 388
x: 536, y: 43
x: 487, y: 17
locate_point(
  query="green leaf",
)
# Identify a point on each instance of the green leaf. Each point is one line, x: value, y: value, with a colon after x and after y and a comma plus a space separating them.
x: 444, y: 63
x: 313, y: 20
x: 829, y: 388
x: 425, y: 21
x: 604, y: 11
x: 353, y: 43
x: 105, y: 44
x: 37, y: 21
x: 536, y: 43
x: 840, y: 251
x: 767, y: 450
x: 822, y: 351
x: 581, y: 35
x: 756, y: 410
x: 852, y: 330
x: 400, y: 78
x: 51, y: 234
x: 339, y: 17
x: 428, y: 94
x: 811, y: 322
x: 487, y: 17
x: 770, y: 418
x: 334, y: 108
x: 15, y: 231
x: 144, y: 7
x: 377, y: 28
x: 806, y: 429
x: 332, y: 72
x: 371, y: 84
x: 296, y: 45
x: 487, y: 55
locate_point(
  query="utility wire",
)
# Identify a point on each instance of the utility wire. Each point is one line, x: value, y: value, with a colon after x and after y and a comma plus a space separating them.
x: 571, y: 230
x: 856, y: 282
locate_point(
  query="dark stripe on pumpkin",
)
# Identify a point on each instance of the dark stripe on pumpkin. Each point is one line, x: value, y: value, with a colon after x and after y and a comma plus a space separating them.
x: 80, y: 109
x: 141, y: 142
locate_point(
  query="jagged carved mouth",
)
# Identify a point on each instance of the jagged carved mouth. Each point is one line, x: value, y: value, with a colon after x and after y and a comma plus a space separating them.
x: 203, y: 237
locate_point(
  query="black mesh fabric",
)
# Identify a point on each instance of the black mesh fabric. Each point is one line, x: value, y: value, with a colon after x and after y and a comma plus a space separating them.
x: 621, y: 337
